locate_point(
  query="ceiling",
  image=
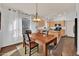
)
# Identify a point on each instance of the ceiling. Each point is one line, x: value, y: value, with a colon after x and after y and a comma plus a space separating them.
x: 49, y: 10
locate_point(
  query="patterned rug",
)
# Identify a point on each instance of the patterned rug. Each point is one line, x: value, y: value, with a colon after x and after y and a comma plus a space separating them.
x: 20, y: 52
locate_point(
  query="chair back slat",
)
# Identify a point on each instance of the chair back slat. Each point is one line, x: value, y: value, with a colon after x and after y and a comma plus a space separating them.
x: 27, y: 37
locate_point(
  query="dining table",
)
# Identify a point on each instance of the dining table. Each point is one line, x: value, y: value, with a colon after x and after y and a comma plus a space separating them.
x: 44, y: 40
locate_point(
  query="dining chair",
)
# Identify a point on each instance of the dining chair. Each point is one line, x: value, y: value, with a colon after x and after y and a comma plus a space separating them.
x: 57, y: 49
x: 33, y: 46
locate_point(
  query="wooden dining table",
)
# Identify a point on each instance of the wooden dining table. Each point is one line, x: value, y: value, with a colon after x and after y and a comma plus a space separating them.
x: 44, y: 40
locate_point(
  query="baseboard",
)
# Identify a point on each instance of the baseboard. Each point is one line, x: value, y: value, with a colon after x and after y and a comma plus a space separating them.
x: 11, y: 45
x: 70, y: 36
x: 77, y: 52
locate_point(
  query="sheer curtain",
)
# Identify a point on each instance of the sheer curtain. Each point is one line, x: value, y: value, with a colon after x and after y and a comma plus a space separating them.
x: 11, y: 27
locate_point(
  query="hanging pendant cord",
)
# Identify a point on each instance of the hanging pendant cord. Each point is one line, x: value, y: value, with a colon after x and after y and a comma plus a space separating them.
x: 36, y: 10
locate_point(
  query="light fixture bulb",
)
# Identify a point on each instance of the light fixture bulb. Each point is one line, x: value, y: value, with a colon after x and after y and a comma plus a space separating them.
x: 36, y: 20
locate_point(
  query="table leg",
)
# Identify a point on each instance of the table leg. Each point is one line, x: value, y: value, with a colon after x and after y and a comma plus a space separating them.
x: 55, y: 41
x: 44, y: 50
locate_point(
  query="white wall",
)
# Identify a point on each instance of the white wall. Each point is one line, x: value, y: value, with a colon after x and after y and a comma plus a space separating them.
x: 69, y: 28
x: 69, y: 24
x: 78, y: 29
x: 0, y: 34
x: 78, y: 39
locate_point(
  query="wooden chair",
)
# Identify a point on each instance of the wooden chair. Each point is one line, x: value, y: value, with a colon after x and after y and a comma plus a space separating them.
x: 29, y: 43
x: 57, y: 49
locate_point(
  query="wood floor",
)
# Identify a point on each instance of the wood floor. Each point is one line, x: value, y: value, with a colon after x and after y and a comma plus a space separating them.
x: 68, y: 48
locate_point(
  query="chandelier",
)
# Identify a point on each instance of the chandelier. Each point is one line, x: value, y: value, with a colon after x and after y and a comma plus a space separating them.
x: 36, y: 18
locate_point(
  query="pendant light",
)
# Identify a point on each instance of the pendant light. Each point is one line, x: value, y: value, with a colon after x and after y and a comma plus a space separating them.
x: 36, y: 18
